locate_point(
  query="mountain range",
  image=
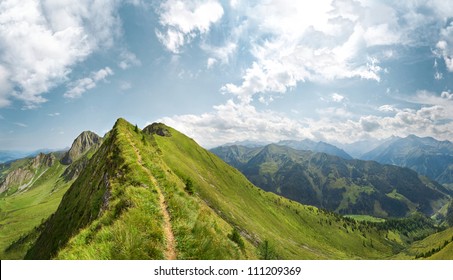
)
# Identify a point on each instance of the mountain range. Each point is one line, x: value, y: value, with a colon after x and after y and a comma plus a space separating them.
x: 156, y: 194
x: 337, y: 184
x: 427, y: 156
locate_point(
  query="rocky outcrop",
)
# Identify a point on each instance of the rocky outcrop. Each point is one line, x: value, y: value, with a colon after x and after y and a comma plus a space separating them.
x: 43, y: 160
x: 24, y: 174
x: 16, y: 177
x: 158, y: 128
x: 84, y: 142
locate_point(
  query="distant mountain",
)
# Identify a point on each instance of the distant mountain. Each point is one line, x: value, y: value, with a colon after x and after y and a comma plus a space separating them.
x: 6, y: 156
x: 427, y: 156
x: 359, y: 148
x: 343, y: 186
x: 321, y: 147
x: 84, y: 142
x: 248, y: 144
x: 243, y: 150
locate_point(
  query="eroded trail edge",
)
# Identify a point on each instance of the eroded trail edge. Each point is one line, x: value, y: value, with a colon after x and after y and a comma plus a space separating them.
x: 170, y: 251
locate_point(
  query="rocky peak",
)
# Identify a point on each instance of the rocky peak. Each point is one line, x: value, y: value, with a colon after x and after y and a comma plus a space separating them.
x: 85, y: 141
x: 158, y: 128
x: 43, y: 160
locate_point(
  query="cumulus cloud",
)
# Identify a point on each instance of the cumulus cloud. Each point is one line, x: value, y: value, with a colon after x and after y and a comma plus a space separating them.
x: 231, y: 122
x: 236, y: 121
x: 183, y: 20
x: 444, y: 48
x: 296, y: 41
x: 42, y: 40
x: 77, y: 88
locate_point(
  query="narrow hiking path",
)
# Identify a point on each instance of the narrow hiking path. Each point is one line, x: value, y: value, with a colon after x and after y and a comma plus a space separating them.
x: 170, y: 251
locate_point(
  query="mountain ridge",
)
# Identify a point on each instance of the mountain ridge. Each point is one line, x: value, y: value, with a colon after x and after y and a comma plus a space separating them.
x: 344, y: 186
x: 426, y: 155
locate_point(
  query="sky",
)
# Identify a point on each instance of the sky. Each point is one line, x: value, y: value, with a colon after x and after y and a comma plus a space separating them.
x: 224, y: 71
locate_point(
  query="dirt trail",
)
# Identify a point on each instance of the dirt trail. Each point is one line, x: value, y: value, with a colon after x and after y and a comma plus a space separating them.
x: 170, y: 252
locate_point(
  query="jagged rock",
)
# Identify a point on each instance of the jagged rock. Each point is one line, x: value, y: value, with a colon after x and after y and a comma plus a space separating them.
x: 43, y: 160
x: 85, y: 141
x: 16, y: 177
x: 159, y: 129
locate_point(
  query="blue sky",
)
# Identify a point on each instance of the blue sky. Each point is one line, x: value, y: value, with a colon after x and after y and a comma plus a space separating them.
x: 224, y: 71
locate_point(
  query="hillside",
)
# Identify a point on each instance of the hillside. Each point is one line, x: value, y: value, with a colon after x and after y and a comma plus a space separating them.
x: 427, y: 156
x: 343, y: 186
x: 438, y: 246
x: 156, y: 194
x: 31, y: 190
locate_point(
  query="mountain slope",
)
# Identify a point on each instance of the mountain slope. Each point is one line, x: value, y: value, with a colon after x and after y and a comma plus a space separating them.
x: 299, y: 232
x: 33, y: 188
x: 119, y: 207
x: 157, y: 194
x: 344, y: 186
x: 426, y: 156
x: 82, y: 144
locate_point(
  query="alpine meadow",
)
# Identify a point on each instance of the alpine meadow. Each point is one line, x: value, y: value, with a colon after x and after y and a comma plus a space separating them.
x: 226, y: 130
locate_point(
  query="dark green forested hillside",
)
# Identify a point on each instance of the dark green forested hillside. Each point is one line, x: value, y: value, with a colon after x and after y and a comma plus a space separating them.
x: 343, y: 186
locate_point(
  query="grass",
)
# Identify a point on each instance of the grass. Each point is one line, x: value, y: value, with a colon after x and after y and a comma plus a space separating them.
x: 23, y: 211
x: 297, y: 231
x: 436, y: 246
x: 365, y: 218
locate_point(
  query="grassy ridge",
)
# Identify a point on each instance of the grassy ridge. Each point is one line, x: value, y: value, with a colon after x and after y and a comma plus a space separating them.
x: 299, y: 232
x: 112, y: 210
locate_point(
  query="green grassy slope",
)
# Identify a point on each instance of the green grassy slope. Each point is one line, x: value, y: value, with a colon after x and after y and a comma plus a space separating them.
x: 297, y: 231
x: 22, y: 211
x: 438, y: 246
x: 116, y: 210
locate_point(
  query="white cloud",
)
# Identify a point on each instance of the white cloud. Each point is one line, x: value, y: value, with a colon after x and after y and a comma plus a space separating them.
x: 128, y: 59
x: 235, y: 122
x: 386, y: 108
x: 337, y: 97
x: 446, y: 95
x: 42, y: 40
x: 241, y: 121
x: 298, y: 41
x: 56, y: 114
x: 221, y: 54
x: 77, y: 88
x: 5, y: 87
x: 183, y: 20
x: 295, y: 41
